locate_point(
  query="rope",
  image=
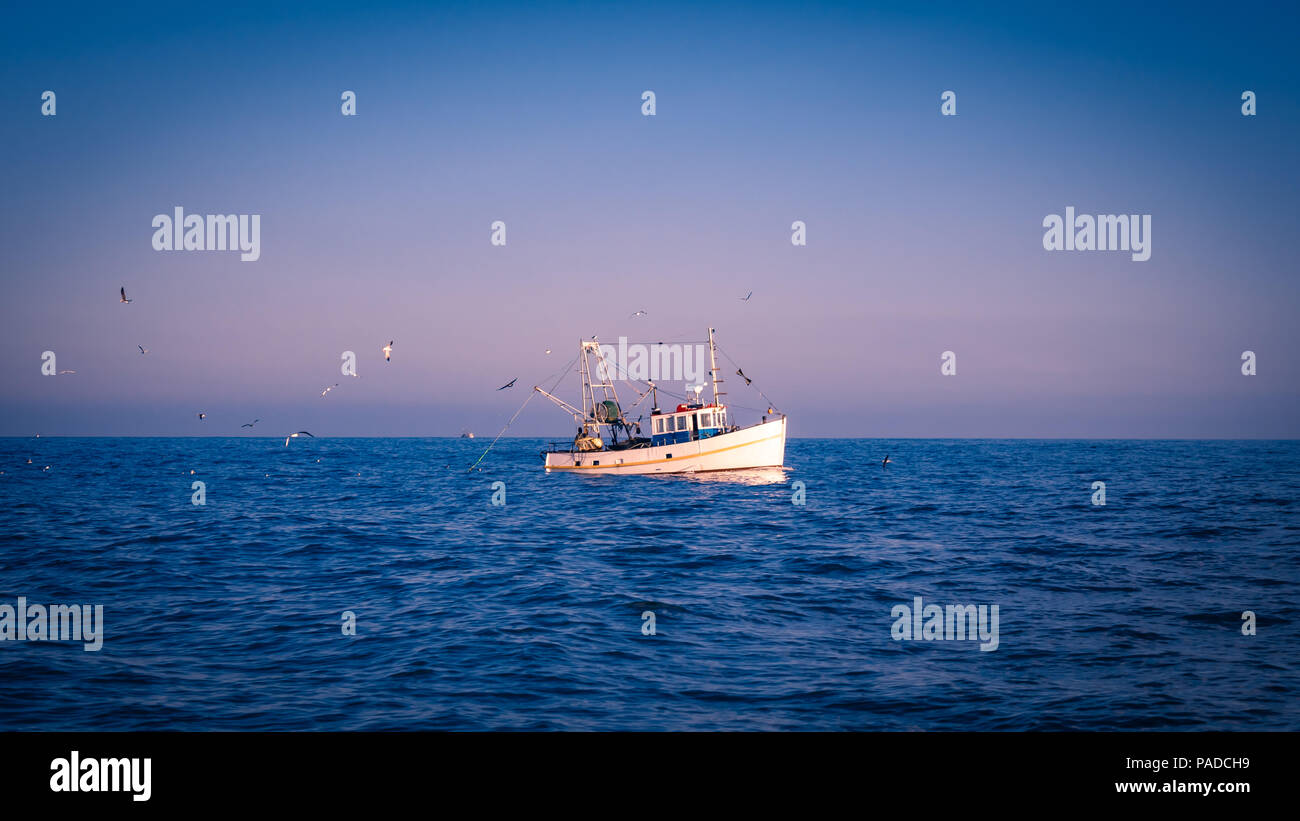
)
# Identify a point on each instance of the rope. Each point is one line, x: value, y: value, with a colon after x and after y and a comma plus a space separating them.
x: 531, y: 394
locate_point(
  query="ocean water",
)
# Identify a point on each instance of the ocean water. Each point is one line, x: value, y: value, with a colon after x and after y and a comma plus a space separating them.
x: 768, y: 615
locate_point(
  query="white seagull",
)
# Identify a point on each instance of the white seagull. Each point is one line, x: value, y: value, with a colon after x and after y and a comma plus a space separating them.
x: 327, y: 390
x: 296, y: 435
x: 388, y: 351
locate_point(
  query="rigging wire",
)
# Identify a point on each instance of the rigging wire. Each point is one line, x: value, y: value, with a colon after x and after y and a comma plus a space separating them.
x: 625, y: 376
x: 772, y: 405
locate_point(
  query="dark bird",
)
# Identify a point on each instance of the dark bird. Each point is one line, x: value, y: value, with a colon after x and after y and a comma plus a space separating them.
x: 746, y: 297
x: 741, y: 374
x: 296, y: 435
x: 202, y: 416
x: 886, y: 462
x: 388, y: 351
x: 143, y: 350
x: 124, y: 300
x: 509, y: 384
x: 250, y: 424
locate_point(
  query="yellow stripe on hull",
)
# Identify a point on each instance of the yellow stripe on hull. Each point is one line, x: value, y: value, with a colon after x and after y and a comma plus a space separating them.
x: 689, y: 461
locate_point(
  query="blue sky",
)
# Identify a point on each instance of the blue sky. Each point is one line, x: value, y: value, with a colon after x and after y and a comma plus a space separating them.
x: 924, y: 231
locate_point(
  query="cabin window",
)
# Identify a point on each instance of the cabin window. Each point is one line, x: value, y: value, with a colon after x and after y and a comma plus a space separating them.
x: 681, y: 423
x: 706, y: 420
x: 659, y: 425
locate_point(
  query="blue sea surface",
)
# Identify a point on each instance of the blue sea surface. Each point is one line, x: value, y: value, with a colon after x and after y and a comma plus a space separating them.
x: 769, y: 615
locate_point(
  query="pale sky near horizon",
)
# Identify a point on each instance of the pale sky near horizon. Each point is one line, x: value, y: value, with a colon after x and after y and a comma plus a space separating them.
x: 924, y: 232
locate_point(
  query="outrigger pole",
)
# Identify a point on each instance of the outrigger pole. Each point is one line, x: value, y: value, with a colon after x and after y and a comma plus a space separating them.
x: 713, y: 369
x: 577, y: 414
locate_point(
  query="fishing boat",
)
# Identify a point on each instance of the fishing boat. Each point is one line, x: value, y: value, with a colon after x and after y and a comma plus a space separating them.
x: 695, y: 436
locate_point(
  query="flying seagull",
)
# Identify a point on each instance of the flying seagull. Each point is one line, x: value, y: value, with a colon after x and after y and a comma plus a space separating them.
x: 61, y: 373
x: 741, y: 374
x: 886, y: 462
x: 638, y: 313
x: 746, y: 297
x: 548, y: 351
x: 388, y: 351
x: 202, y: 416
x: 296, y: 435
x: 327, y: 390
x: 509, y: 384
x: 250, y: 424
x: 143, y: 350
x: 124, y: 300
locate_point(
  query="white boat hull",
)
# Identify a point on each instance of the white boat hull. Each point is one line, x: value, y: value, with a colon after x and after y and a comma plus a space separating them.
x: 758, y: 446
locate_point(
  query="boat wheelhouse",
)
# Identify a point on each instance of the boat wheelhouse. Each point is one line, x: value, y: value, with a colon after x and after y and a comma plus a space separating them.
x: 689, y: 422
x: 697, y: 436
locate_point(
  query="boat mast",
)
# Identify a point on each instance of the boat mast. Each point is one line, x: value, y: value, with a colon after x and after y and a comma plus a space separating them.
x: 713, y: 370
x: 585, y: 402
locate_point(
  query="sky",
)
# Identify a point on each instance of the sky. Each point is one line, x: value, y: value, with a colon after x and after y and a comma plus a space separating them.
x: 924, y: 231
